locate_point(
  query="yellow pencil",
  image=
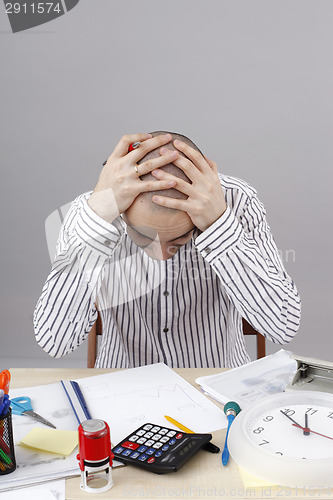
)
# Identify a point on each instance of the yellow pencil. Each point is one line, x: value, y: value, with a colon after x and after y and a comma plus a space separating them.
x: 177, y: 424
x: 209, y: 446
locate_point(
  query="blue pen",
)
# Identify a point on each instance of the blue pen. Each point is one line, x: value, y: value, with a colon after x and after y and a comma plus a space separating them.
x: 231, y: 410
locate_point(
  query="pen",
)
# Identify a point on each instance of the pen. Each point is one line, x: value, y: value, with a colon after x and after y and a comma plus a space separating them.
x: 209, y: 446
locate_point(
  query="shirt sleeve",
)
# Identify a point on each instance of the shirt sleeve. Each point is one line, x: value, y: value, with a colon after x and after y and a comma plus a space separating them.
x: 243, y: 254
x: 66, y: 310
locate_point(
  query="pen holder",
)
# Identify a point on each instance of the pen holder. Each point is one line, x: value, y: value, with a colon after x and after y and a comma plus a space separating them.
x: 7, y: 454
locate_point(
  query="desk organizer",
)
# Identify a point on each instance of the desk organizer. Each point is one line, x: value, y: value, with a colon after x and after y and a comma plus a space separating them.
x: 7, y: 453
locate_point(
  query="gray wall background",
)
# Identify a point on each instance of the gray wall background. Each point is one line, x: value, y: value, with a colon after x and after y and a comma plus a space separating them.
x: 249, y: 81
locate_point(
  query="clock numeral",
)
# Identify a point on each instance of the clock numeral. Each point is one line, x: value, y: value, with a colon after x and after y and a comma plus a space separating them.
x: 330, y: 415
x: 258, y: 430
x: 278, y: 453
x: 311, y: 410
x: 289, y: 412
x: 264, y: 442
x: 268, y: 418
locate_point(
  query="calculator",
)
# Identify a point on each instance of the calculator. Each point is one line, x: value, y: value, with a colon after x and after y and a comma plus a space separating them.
x: 159, y: 449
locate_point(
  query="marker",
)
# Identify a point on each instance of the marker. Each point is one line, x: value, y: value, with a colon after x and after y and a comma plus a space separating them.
x: 5, y: 458
x: 231, y: 410
x: 209, y: 446
x: 132, y: 146
x: 4, y: 406
x: 4, y: 380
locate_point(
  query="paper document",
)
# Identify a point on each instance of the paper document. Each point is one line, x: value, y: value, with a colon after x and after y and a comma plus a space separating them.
x: 250, y: 382
x: 128, y: 398
x: 52, y: 490
x: 35, y: 466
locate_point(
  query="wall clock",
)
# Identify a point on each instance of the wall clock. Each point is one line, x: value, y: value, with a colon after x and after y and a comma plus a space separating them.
x: 286, y: 439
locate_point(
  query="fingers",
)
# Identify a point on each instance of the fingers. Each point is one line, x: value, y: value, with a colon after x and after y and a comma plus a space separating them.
x: 149, y: 145
x: 149, y: 165
x: 188, y: 168
x: 212, y: 164
x: 196, y: 157
x: 180, y: 184
x: 166, y: 201
x: 145, y: 186
x: 122, y: 147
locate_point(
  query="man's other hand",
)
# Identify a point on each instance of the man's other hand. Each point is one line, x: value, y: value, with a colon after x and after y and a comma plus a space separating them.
x: 205, y: 203
x: 119, y: 183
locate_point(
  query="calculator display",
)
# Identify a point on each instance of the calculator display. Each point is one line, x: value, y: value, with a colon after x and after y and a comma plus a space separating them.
x: 159, y: 449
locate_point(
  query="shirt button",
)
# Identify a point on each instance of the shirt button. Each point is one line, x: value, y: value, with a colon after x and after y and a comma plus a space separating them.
x: 165, y: 330
x: 166, y: 293
x: 207, y: 249
x: 107, y: 242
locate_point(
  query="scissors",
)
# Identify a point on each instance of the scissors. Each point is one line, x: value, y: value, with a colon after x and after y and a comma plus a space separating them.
x: 22, y: 406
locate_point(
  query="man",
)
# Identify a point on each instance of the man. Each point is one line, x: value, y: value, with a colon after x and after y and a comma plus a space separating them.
x: 172, y: 254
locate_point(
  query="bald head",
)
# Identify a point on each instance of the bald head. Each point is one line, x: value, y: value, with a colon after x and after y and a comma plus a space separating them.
x: 170, y: 168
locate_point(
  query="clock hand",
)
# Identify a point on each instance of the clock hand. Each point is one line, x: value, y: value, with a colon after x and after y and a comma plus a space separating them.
x: 306, y: 430
x: 313, y: 432
x: 294, y: 421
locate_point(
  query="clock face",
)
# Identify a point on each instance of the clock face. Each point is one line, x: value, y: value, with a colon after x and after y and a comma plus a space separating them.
x: 297, y: 431
x: 286, y: 439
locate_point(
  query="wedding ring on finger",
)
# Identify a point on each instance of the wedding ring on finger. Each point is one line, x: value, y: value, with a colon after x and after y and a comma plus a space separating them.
x: 137, y: 171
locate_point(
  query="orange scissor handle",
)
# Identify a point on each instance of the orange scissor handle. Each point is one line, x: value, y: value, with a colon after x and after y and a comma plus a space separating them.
x: 4, y: 380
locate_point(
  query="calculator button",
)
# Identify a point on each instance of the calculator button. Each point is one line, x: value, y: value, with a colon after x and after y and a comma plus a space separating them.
x: 135, y: 454
x: 179, y: 436
x: 143, y: 458
x: 125, y: 453
x: 155, y: 429
x: 157, y: 437
x: 171, y: 433
x: 151, y: 460
x: 158, y: 454
x: 157, y: 445
x: 163, y: 431
x: 164, y: 439
x: 150, y: 442
x: 141, y: 432
x: 147, y: 427
x: 141, y: 440
x: 172, y: 441
x: 134, y: 438
x: 150, y: 451
x: 119, y: 449
x: 165, y: 447
x: 131, y: 446
x: 149, y: 435
x: 142, y: 449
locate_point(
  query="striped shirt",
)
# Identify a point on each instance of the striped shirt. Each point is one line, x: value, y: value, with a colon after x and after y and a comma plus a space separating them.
x: 185, y: 311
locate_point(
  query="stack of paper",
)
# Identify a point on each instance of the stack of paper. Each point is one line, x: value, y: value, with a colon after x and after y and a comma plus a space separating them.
x: 252, y: 381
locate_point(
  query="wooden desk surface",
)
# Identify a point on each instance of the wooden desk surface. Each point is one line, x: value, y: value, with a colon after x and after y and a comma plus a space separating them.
x: 201, y: 478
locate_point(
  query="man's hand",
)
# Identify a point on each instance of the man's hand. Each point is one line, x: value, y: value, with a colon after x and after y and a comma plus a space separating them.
x: 205, y: 203
x: 119, y: 184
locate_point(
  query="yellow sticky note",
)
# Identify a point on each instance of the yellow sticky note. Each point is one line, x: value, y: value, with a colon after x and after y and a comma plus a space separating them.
x: 53, y: 440
x: 250, y: 481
